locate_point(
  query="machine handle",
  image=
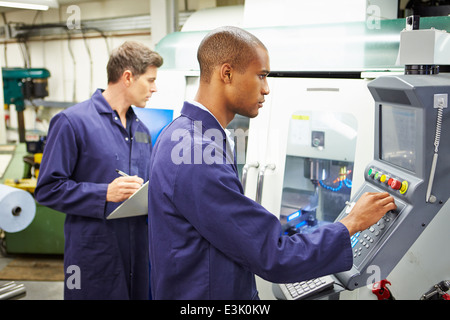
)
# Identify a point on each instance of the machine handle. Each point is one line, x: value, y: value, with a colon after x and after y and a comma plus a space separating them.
x: 259, y: 187
x: 247, y: 167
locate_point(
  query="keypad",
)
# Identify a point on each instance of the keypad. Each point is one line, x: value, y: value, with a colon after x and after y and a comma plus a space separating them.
x: 362, y: 242
x: 300, y: 290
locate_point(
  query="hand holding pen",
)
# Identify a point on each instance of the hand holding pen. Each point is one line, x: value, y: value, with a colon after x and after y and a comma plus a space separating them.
x: 121, y: 188
x: 123, y: 174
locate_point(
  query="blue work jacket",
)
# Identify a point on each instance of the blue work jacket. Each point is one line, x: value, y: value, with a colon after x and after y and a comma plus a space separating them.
x: 86, y: 143
x: 207, y: 239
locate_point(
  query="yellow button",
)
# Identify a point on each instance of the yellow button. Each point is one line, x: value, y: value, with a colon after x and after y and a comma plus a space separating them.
x: 383, y: 178
x: 404, y: 187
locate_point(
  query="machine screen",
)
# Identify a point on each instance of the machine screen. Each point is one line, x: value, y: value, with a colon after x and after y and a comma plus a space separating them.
x: 398, y: 136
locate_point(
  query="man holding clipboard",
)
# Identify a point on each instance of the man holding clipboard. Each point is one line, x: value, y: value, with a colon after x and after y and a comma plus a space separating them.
x: 86, y: 143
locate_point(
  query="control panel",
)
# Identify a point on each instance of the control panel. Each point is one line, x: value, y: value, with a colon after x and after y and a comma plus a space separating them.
x: 408, y: 128
x: 376, y: 249
x: 395, y: 183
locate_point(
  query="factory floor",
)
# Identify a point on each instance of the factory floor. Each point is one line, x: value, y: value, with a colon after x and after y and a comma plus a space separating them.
x: 35, y: 290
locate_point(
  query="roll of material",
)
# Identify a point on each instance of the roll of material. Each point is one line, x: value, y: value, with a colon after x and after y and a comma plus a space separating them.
x: 17, y: 209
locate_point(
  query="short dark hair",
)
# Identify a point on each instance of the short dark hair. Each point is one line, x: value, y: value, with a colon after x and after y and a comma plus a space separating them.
x: 133, y: 56
x: 231, y: 45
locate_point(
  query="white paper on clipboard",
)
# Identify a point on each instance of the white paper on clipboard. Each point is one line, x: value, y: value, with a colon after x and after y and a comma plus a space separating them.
x: 136, y: 205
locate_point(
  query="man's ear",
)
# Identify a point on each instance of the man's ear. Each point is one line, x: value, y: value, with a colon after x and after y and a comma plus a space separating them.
x: 127, y: 77
x: 226, y: 72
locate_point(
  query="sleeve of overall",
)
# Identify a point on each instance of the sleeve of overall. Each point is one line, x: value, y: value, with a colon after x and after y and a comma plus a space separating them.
x: 56, y: 187
x: 211, y: 199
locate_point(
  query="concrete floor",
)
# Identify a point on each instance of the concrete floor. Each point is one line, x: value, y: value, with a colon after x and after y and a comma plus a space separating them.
x: 36, y: 290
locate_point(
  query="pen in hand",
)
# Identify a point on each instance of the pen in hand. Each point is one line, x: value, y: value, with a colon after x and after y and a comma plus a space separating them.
x: 123, y: 174
x: 121, y: 189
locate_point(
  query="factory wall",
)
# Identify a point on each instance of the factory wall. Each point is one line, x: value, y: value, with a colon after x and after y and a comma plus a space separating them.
x: 77, y: 61
x: 78, y: 65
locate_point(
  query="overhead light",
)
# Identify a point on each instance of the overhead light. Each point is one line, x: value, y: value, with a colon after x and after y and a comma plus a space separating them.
x: 23, y: 5
x: 30, y: 4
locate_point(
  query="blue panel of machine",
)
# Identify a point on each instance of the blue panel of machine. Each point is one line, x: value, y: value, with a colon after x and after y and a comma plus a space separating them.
x: 294, y: 215
x: 155, y: 120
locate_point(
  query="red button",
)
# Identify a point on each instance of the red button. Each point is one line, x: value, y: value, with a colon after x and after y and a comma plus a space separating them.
x: 395, y: 184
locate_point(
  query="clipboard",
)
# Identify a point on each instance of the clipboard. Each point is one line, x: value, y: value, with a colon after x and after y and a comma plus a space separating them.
x: 136, y: 205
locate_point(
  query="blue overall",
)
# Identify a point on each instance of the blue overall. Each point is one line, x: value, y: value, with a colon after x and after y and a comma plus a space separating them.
x: 86, y: 143
x: 207, y: 239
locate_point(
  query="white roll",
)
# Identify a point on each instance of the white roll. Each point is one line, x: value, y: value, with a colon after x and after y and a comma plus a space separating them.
x: 17, y: 209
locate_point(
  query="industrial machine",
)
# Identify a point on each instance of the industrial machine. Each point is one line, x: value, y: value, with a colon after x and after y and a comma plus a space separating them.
x: 410, y: 161
x: 318, y: 169
x: 20, y: 84
x: 412, y: 117
x: 312, y: 139
x: 410, y: 157
x: 45, y: 233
